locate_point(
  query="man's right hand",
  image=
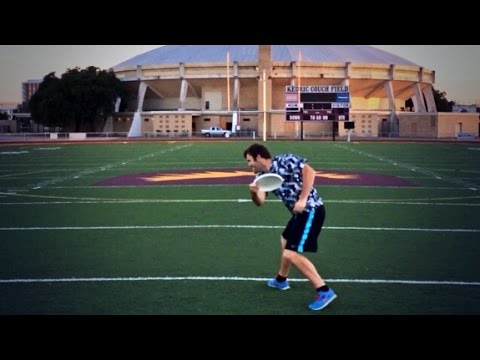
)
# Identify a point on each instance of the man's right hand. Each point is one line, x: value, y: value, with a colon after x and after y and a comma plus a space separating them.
x: 257, y: 196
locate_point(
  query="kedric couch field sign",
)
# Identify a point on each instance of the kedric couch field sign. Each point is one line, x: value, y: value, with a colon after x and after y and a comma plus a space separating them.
x: 317, y: 103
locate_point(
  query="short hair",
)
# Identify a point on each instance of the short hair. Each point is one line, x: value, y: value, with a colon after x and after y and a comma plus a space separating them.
x: 257, y: 149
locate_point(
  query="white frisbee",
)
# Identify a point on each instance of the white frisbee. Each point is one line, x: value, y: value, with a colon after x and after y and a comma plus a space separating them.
x: 269, y: 182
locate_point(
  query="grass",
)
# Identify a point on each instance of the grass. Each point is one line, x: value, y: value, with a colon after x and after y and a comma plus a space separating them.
x: 68, y: 246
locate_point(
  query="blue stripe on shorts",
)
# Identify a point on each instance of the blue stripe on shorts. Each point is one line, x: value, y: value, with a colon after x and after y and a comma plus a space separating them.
x: 308, y: 225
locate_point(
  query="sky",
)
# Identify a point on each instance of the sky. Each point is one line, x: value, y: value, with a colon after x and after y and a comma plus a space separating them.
x: 457, y: 67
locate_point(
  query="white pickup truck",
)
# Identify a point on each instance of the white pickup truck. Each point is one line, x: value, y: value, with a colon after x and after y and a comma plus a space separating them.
x: 216, y: 131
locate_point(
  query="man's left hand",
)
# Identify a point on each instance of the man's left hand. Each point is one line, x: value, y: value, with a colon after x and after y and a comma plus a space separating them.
x: 300, y: 206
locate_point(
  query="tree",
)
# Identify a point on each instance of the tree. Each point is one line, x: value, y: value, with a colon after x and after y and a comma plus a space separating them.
x: 441, y: 101
x: 81, y: 100
x: 48, y: 106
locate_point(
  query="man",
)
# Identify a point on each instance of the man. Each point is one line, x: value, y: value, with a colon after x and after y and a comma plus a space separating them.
x: 308, y: 213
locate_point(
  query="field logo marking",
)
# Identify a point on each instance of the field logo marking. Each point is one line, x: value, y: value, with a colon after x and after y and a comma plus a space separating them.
x: 242, y: 176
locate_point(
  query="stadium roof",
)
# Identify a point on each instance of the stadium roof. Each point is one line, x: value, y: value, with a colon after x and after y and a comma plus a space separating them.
x: 173, y: 54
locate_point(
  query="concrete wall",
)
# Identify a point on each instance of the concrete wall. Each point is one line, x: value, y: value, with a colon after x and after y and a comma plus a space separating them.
x: 367, y: 124
x: 416, y: 125
x: 167, y: 124
x: 450, y: 124
x: 440, y: 125
x: 121, y: 123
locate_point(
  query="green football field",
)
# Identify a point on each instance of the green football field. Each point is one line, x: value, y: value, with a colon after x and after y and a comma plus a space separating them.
x: 121, y: 228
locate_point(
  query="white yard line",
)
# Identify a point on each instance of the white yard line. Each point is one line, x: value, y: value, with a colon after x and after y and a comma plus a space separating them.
x: 235, y: 278
x: 97, y: 169
x: 154, y: 227
x: 412, y: 168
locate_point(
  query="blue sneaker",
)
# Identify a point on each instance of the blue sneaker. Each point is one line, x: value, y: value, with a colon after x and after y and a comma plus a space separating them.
x: 273, y: 283
x: 322, y: 300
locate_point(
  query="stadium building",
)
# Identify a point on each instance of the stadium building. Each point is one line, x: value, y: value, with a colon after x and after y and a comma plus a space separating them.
x: 178, y: 90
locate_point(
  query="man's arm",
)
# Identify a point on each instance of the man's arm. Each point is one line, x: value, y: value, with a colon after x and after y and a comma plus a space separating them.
x: 257, y: 196
x: 308, y: 175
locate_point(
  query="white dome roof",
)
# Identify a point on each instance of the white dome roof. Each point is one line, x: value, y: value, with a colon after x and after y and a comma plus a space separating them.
x: 174, y: 54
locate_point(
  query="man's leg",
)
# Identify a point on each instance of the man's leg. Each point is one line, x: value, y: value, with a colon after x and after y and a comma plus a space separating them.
x: 285, y: 263
x: 304, y: 265
x: 280, y: 281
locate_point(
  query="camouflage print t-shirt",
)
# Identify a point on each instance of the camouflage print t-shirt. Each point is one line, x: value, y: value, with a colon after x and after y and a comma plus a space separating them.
x: 290, y: 166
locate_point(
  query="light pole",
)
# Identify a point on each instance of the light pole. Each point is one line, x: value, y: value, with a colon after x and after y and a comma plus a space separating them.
x: 299, y: 93
x: 264, y: 81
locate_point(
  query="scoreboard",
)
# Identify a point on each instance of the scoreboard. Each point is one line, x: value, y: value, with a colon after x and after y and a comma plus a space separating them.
x: 317, y: 102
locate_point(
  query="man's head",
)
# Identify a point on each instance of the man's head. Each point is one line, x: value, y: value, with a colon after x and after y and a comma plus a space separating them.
x: 258, y: 157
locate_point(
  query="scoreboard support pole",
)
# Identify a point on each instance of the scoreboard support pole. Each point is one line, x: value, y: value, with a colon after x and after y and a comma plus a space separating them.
x: 301, y: 130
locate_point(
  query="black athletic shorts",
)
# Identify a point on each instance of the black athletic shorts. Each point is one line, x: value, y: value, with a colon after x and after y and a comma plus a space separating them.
x: 303, y: 229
